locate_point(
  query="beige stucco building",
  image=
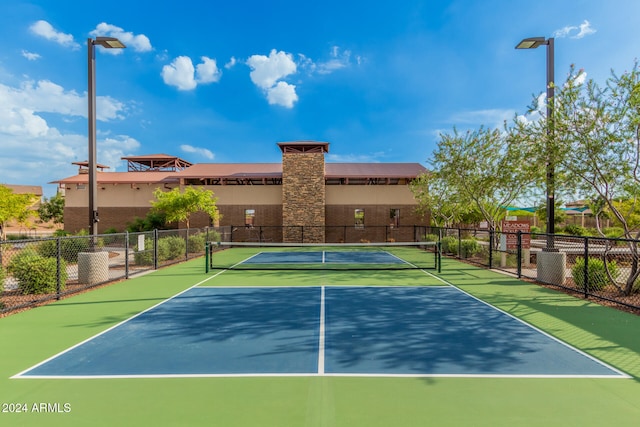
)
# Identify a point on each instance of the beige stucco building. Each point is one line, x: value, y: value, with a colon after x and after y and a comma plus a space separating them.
x: 330, y: 200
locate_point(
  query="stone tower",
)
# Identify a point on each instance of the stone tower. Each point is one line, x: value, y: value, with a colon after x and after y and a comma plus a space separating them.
x: 303, y: 191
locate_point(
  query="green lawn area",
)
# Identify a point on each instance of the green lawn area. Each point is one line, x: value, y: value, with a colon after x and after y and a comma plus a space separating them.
x: 32, y: 336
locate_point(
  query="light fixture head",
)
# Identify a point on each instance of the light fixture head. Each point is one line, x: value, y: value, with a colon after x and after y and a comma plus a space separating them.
x: 109, y: 42
x: 532, y: 43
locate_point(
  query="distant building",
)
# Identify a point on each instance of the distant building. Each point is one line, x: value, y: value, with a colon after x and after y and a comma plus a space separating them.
x: 36, y: 190
x: 275, y: 198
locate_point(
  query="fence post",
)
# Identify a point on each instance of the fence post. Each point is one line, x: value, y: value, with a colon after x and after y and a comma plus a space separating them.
x: 586, y: 267
x: 491, y: 238
x: 186, y: 245
x: 155, y: 249
x: 126, y: 254
x: 519, y: 248
x: 58, y: 267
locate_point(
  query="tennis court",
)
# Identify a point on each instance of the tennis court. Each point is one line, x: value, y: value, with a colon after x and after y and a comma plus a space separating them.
x: 311, y: 346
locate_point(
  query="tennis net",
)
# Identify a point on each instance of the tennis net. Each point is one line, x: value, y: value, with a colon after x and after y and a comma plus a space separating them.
x: 334, y: 256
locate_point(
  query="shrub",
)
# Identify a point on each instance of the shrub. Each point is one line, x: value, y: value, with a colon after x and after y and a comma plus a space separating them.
x: 596, y: 272
x: 36, y: 274
x: 575, y: 230
x: 2, y: 277
x: 449, y: 245
x: 176, y: 247
x: 469, y: 247
x: 69, y: 248
x: 145, y: 257
x: 430, y: 237
x: 613, y: 232
x: 195, y: 243
x: 534, y: 230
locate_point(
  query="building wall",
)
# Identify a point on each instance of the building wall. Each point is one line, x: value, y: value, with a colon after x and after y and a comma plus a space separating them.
x: 111, y: 195
x: 303, y: 199
x: 369, y: 194
x: 77, y: 218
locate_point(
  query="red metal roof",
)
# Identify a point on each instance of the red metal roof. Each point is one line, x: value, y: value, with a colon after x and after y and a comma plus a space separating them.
x: 120, y: 178
x: 253, y: 170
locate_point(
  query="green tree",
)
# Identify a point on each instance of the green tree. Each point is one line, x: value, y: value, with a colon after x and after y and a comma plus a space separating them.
x: 13, y: 207
x: 433, y: 197
x: 483, y: 170
x: 596, y: 149
x: 52, y: 209
x: 179, y: 206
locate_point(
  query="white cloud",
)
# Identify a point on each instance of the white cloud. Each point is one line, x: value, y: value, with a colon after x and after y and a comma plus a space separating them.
x: 283, y: 94
x: 207, y: 71
x: 30, y: 55
x: 46, y: 30
x: 139, y: 43
x: 569, y: 31
x: 48, y: 97
x: 182, y: 74
x: 39, y: 152
x: 197, y: 150
x: 266, y: 71
x: 339, y: 59
x: 585, y: 30
x: 232, y: 61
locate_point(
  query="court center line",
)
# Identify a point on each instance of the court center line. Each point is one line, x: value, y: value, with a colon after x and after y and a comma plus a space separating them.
x: 321, y: 342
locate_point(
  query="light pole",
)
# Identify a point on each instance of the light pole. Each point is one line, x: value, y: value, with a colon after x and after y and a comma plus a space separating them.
x: 110, y: 43
x: 532, y: 43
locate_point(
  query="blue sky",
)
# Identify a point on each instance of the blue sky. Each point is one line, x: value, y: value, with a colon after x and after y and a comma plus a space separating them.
x: 213, y: 81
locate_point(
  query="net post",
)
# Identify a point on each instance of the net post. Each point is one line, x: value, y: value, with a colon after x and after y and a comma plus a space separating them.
x: 519, y: 253
x: 207, y: 248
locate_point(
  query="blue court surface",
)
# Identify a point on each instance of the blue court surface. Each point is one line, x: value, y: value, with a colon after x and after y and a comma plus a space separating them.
x: 324, y: 257
x: 363, y: 331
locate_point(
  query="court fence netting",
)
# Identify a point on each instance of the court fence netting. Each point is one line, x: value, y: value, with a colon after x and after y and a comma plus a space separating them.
x: 322, y: 256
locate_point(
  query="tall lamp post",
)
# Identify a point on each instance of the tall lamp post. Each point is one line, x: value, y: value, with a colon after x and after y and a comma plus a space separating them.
x: 109, y: 43
x: 533, y: 43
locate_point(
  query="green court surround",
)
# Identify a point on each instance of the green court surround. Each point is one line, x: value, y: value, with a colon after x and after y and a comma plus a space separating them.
x: 29, y: 337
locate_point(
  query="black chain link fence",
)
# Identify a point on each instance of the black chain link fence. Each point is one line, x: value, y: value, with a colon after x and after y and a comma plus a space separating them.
x: 34, y: 271
x: 605, y: 269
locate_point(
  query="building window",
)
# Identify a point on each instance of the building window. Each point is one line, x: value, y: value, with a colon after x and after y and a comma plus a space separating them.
x: 249, y: 217
x: 394, y: 217
x: 359, y: 218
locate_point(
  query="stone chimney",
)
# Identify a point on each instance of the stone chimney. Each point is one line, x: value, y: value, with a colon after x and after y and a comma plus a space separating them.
x: 303, y: 191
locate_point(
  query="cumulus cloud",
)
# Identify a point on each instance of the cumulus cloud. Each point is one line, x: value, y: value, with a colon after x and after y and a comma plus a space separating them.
x: 267, y: 70
x: 37, y: 151
x: 48, y: 97
x: 139, y: 42
x: 30, y: 55
x: 283, y: 94
x: 203, y: 152
x: 207, y: 71
x: 232, y: 61
x: 574, y: 32
x: 44, y: 29
x: 267, y: 73
x: 183, y: 75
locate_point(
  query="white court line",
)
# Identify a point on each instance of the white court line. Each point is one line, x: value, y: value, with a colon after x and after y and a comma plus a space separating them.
x: 321, y: 342
x: 540, y: 331
x: 19, y: 375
